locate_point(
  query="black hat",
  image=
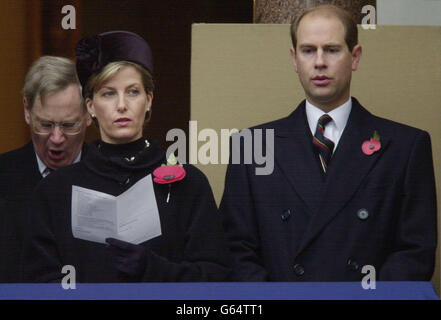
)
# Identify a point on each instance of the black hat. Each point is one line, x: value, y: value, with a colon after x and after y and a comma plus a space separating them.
x: 95, y: 52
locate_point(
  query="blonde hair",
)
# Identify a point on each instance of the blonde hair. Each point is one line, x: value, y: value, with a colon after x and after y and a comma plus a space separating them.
x: 98, y: 79
x: 47, y: 75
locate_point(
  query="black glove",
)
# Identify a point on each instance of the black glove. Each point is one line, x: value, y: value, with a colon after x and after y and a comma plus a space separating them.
x: 130, y: 259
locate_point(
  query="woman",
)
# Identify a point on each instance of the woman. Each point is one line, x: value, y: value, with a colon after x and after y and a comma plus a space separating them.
x: 115, y: 69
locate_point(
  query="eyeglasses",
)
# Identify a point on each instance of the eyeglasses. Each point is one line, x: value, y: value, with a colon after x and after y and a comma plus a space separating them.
x: 45, y: 127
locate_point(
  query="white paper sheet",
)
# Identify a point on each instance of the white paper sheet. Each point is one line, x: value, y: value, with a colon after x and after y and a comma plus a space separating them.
x: 132, y: 216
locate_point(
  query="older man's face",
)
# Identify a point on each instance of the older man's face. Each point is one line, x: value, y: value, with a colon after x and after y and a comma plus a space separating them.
x: 58, y: 147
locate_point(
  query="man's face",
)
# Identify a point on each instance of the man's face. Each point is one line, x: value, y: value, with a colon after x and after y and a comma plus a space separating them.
x: 323, y: 61
x: 57, y: 149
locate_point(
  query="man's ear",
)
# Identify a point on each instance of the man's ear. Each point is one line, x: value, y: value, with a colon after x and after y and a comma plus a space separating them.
x: 357, y: 52
x: 27, y: 114
x: 292, y: 51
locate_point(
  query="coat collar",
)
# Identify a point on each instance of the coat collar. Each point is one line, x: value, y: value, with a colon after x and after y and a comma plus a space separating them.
x: 295, y: 157
x: 31, y: 154
x: 322, y: 196
x: 118, y: 165
x: 347, y: 169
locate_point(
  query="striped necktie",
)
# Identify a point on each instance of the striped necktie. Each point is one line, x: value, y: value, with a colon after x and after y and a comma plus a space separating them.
x: 46, y: 172
x: 324, y: 146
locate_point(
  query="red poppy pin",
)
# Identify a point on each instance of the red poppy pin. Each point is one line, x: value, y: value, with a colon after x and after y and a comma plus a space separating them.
x: 169, y: 173
x: 373, y: 145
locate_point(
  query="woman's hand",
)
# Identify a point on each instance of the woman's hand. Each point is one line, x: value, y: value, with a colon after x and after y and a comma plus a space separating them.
x: 131, y: 259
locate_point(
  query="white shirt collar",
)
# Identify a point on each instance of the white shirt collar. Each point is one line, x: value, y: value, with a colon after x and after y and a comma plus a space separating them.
x: 42, y: 167
x: 339, y: 116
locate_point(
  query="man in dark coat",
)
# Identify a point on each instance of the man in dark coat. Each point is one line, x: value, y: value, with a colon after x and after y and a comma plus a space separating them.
x: 350, y: 193
x: 58, y: 120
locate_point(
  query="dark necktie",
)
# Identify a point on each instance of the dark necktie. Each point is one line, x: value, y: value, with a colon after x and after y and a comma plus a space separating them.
x: 324, y: 146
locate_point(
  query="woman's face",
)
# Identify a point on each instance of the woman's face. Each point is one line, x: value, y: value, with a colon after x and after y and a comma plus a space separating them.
x: 120, y: 105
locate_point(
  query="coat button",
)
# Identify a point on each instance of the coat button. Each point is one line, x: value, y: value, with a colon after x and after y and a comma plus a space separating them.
x: 353, y: 265
x: 286, y: 214
x: 363, y: 214
x: 299, y: 270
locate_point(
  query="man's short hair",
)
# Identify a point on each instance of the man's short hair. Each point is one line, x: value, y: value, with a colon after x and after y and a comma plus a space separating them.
x: 49, y: 74
x: 349, y: 24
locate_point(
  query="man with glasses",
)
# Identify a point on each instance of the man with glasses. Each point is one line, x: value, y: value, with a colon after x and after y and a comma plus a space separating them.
x: 57, y: 118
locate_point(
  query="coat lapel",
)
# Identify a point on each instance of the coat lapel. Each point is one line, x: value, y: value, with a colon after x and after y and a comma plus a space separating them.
x: 34, y: 172
x: 296, y: 159
x: 347, y: 169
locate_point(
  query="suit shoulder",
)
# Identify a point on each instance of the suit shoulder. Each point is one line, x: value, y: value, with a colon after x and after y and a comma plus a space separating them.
x: 271, y: 124
x: 394, y: 128
x: 74, y: 169
x: 295, y: 117
x: 63, y: 175
x: 18, y: 160
x: 194, y: 174
x: 17, y: 155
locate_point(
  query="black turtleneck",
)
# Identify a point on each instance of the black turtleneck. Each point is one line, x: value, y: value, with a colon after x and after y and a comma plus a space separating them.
x: 122, y: 150
x: 121, y: 161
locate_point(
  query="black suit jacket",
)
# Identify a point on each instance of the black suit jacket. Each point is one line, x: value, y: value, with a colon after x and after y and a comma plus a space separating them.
x: 19, y: 174
x: 299, y: 225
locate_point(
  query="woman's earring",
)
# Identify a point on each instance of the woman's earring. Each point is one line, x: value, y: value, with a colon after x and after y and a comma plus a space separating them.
x: 95, y: 121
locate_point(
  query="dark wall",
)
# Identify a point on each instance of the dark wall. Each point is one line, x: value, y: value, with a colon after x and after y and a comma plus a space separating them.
x: 166, y: 25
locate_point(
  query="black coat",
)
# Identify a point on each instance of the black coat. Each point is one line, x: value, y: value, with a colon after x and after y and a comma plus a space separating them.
x: 191, y: 247
x: 19, y: 175
x: 300, y: 225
